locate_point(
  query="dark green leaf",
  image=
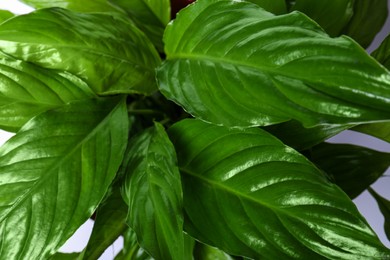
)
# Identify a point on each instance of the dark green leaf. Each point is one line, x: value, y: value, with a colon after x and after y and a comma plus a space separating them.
x: 232, y: 63
x: 67, y: 256
x: 131, y: 249
x: 273, y: 6
x: 351, y: 167
x: 27, y: 90
x: 55, y: 171
x: 367, y: 20
x: 205, y: 252
x: 382, y: 54
x: 293, y: 134
x: 75, y: 5
x: 105, y: 50
x: 384, y: 206
x: 151, y: 16
x: 332, y: 15
x: 110, y: 223
x: 248, y: 194
x: 153, y: 193
x: 379, y: 130
x: 4, y: 15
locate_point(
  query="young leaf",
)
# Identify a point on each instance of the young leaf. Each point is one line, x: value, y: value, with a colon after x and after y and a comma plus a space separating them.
x: 379, y: 130
x: 151, y: 16
x: 153, y: 192
x: 131, y: 249
x: 384, y: 206
x: 332, y: 15
x: 55, y: 171
x: 367, y: 20
x: 110, y: 223
x: 205, y: 252
x: 232, y: 63
x: 293, y: 134
x: 351, y: 167
x: 75, y: 5
x: 248, y: 194
x: 28, y: 90
x: 105, y: 50
x: 4, y: 15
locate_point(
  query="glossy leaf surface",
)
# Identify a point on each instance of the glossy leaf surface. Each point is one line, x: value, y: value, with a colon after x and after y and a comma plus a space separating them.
x: 232, y: 63
x: 27, y: 90
x: 250, y: 195
x: 384, y: 206
x: 293, y: 134
x: 131, y: 249
x: 205, y: 252
x: 105, y: 50
x: 332, y: 15
x: 151, y: 16
x: 55, y: 171
x: 75, y: 5
x: 110, y: 223
x: 153, y: 193
x: 379, y: 130
x: 367, y: 20
x: 351, y: 167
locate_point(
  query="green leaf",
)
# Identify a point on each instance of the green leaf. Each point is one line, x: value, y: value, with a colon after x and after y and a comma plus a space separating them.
x: 205, y: 252
x: 110, y: 223
x: 273, y: 6
x: 248, y: 194
x: 232, y: 63
x: 55, y: 171
x: 105, y: 50
x: 4, y: 15
x: 151, y: 16
x: 293, y: 134
x: 131, y: 249
x: 153, y: 193
x: 384, y: 206
x: 379, y: 130
x: 367, y: 20
x: 332, y: 15
x: 75, y: 5
x: 28, y: 90
x: 67, y: 256
x: 351, y: 167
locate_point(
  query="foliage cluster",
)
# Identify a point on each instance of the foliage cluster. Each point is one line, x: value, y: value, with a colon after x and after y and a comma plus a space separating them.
x: 236, y: 167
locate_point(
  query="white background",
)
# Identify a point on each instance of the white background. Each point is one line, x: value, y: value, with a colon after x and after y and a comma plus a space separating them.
x: 365, y: 202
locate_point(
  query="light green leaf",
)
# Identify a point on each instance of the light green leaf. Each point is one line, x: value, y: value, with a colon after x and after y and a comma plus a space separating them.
x: 27, y: 90
x: 293, y: 134
x: 105, y: 50
x: 232, y: 63
x: 332, y: 15
x: 384, y: 206
x: 153, y: 192
x: 110, y: 223
x: 379, y: 130
x: 4, y: 15
x: 273, y: 6
x: 351, y: 167
x: 248, y: 194
x: 131, y: 249
x: 151, y: 16
x: 367, y: 20
x: 55, y: 171
x: 205, y: 252
x: 75, y: 5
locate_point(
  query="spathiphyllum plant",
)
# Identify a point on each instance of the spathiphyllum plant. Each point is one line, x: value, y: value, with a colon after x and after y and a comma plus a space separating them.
x: 194, y: 135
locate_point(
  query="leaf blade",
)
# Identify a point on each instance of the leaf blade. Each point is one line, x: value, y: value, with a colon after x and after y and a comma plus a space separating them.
x: 113, y: 55
x: 153, y: 192
x: 229, y: 205
x: 55, y: 172
x: 384, y: 206
x: 258, y: 70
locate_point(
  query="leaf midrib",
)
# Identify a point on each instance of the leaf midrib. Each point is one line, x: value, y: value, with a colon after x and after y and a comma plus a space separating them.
x: 54, y: 166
